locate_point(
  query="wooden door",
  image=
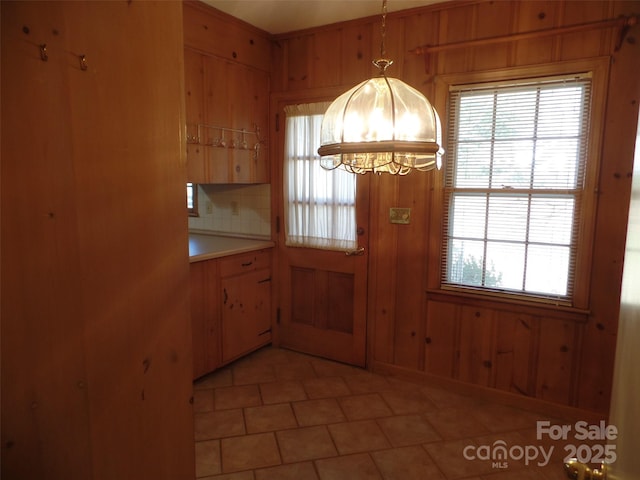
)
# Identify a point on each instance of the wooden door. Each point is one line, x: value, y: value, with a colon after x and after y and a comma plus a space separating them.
x: 625, y: 404
x: 322, y: 294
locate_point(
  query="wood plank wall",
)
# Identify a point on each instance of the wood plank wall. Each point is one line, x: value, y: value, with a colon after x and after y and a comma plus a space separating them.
x: 96, y: 339
x: 541, y: 353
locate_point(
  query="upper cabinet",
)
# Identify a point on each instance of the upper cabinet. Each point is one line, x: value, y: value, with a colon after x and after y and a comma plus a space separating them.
x: 227, y: 98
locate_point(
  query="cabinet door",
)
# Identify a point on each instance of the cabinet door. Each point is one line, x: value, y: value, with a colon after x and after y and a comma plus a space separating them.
x: 205, y: 316
x: 217, y: 109
x: 249, y: 100
x: 246, y: 317
x: 194, y: 103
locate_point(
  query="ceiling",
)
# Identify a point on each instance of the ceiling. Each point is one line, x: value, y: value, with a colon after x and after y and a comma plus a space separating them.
x: 281, y: 16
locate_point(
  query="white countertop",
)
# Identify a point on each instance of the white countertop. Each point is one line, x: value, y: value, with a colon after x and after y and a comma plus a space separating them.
x: 205, y: 247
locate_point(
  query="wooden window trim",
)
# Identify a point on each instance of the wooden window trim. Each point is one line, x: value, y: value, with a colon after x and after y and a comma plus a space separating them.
x: 599, y: 69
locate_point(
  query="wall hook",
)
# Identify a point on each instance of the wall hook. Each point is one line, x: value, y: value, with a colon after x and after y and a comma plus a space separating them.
x: 44, y: 56
x: 83, y: 62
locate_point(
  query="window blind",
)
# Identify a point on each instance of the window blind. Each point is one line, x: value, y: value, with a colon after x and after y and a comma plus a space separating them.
x: 513, y: 185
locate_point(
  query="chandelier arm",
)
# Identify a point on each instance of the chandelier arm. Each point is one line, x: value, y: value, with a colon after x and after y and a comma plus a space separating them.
x: 346, y: 107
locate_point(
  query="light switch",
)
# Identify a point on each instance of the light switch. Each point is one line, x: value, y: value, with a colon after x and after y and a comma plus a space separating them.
x: 400, y: 215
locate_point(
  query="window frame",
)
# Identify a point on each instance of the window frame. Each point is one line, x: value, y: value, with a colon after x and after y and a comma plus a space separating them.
x: 598, y: 68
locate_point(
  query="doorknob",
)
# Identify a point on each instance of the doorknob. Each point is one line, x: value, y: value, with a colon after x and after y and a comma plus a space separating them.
x: 355, y: 253
x: 576, y: 470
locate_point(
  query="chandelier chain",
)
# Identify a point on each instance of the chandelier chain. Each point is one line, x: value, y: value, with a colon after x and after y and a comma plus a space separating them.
x: 383, y: 29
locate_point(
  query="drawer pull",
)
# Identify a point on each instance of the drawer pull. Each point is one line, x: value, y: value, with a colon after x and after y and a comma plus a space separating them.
x: 247, y: 264
x: 265, y: 280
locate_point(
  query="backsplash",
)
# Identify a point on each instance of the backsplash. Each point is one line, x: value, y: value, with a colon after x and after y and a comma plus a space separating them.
x: 234, y: 209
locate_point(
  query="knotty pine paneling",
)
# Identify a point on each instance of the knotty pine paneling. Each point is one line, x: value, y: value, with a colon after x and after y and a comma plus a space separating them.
x: 441, y: 339
x: 475, y: 345
x: 324, y: 68
x: 297, y: 63
x: 420, y: 29
x: 556, y: 357
x: 531, y: 16
x: 455, y: 25
x: 522, y: 338
x: 216, y: 33
x: 514, y: 352
x: 96, y: 343
x: 578, y: 45
x: 492, y: 19
x: 382, y: 289
x: 356, y: 53
x: 411, y: 249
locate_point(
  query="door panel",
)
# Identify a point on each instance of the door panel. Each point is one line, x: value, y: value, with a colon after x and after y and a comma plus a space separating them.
x: 322, y: 294
x: 323, y: 304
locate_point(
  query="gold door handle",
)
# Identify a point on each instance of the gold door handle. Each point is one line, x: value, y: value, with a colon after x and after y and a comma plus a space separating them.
x: 355, y: 253
x: 576, y: 470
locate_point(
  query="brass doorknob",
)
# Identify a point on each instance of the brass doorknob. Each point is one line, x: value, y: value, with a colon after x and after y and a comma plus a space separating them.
x: 576, y: 470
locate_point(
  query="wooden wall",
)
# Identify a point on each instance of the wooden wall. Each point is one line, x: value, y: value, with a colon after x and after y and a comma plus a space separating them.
x: 550, y: 354
x: 96, y: 340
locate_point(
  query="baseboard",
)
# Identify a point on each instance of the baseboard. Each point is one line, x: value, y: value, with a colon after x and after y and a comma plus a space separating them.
x: 537, y: 405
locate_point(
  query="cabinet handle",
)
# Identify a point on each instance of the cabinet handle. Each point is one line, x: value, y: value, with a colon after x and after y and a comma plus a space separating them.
x: 247, y: 264
x: 226, y: 297
x: 265, y: 280
x: 268, y: 330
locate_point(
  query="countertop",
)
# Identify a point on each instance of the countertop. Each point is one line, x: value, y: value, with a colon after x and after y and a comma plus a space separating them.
x: 205, y: 247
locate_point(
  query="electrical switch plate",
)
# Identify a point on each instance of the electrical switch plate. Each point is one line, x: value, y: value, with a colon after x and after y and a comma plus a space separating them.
x: 400, y: 215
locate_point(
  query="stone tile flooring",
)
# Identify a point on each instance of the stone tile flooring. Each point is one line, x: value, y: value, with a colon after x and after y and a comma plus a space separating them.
x: 282, y: 415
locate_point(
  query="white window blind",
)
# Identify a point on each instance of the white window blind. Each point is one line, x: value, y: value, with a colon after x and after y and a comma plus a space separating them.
x: 319, y: 204
x: 514, y: 184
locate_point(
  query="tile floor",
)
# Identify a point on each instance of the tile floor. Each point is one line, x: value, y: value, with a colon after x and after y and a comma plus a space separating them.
x: 282, y: 415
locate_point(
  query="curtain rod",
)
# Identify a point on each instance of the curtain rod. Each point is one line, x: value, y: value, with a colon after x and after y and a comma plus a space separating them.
x: 623, y: 23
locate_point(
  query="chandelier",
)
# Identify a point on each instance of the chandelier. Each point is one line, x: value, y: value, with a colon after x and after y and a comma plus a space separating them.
x: 381, y: 125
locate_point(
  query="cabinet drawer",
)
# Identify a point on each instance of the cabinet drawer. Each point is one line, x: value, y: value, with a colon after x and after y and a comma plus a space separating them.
x: 245, y: 262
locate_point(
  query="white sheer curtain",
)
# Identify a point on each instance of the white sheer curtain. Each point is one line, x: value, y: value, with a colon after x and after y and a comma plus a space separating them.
x: 319, y: 204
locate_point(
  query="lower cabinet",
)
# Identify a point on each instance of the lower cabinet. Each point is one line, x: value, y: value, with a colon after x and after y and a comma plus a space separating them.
x: 205, y: 316
x: 230, y: 308
x: 246, y: 322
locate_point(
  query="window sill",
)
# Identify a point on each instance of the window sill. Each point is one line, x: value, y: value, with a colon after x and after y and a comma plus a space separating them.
x: 497, y: 302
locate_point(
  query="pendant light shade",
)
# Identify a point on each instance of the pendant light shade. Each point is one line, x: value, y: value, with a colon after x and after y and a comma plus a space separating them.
x: 381, y: 125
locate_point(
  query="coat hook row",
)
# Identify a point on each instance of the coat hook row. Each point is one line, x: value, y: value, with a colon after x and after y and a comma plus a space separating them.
x: 196, y: 134
x: 44, y: 56
x: 214, y: 136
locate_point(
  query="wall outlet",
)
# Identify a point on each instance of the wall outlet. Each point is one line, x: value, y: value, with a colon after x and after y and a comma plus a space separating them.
x: 400, y: 215
x: 234, y: 208
x: 209, y: 207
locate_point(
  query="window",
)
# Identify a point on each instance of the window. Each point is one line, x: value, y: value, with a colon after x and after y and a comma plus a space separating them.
x: 192, y: 200
x: 514, y: 185
x: 319, y: 204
